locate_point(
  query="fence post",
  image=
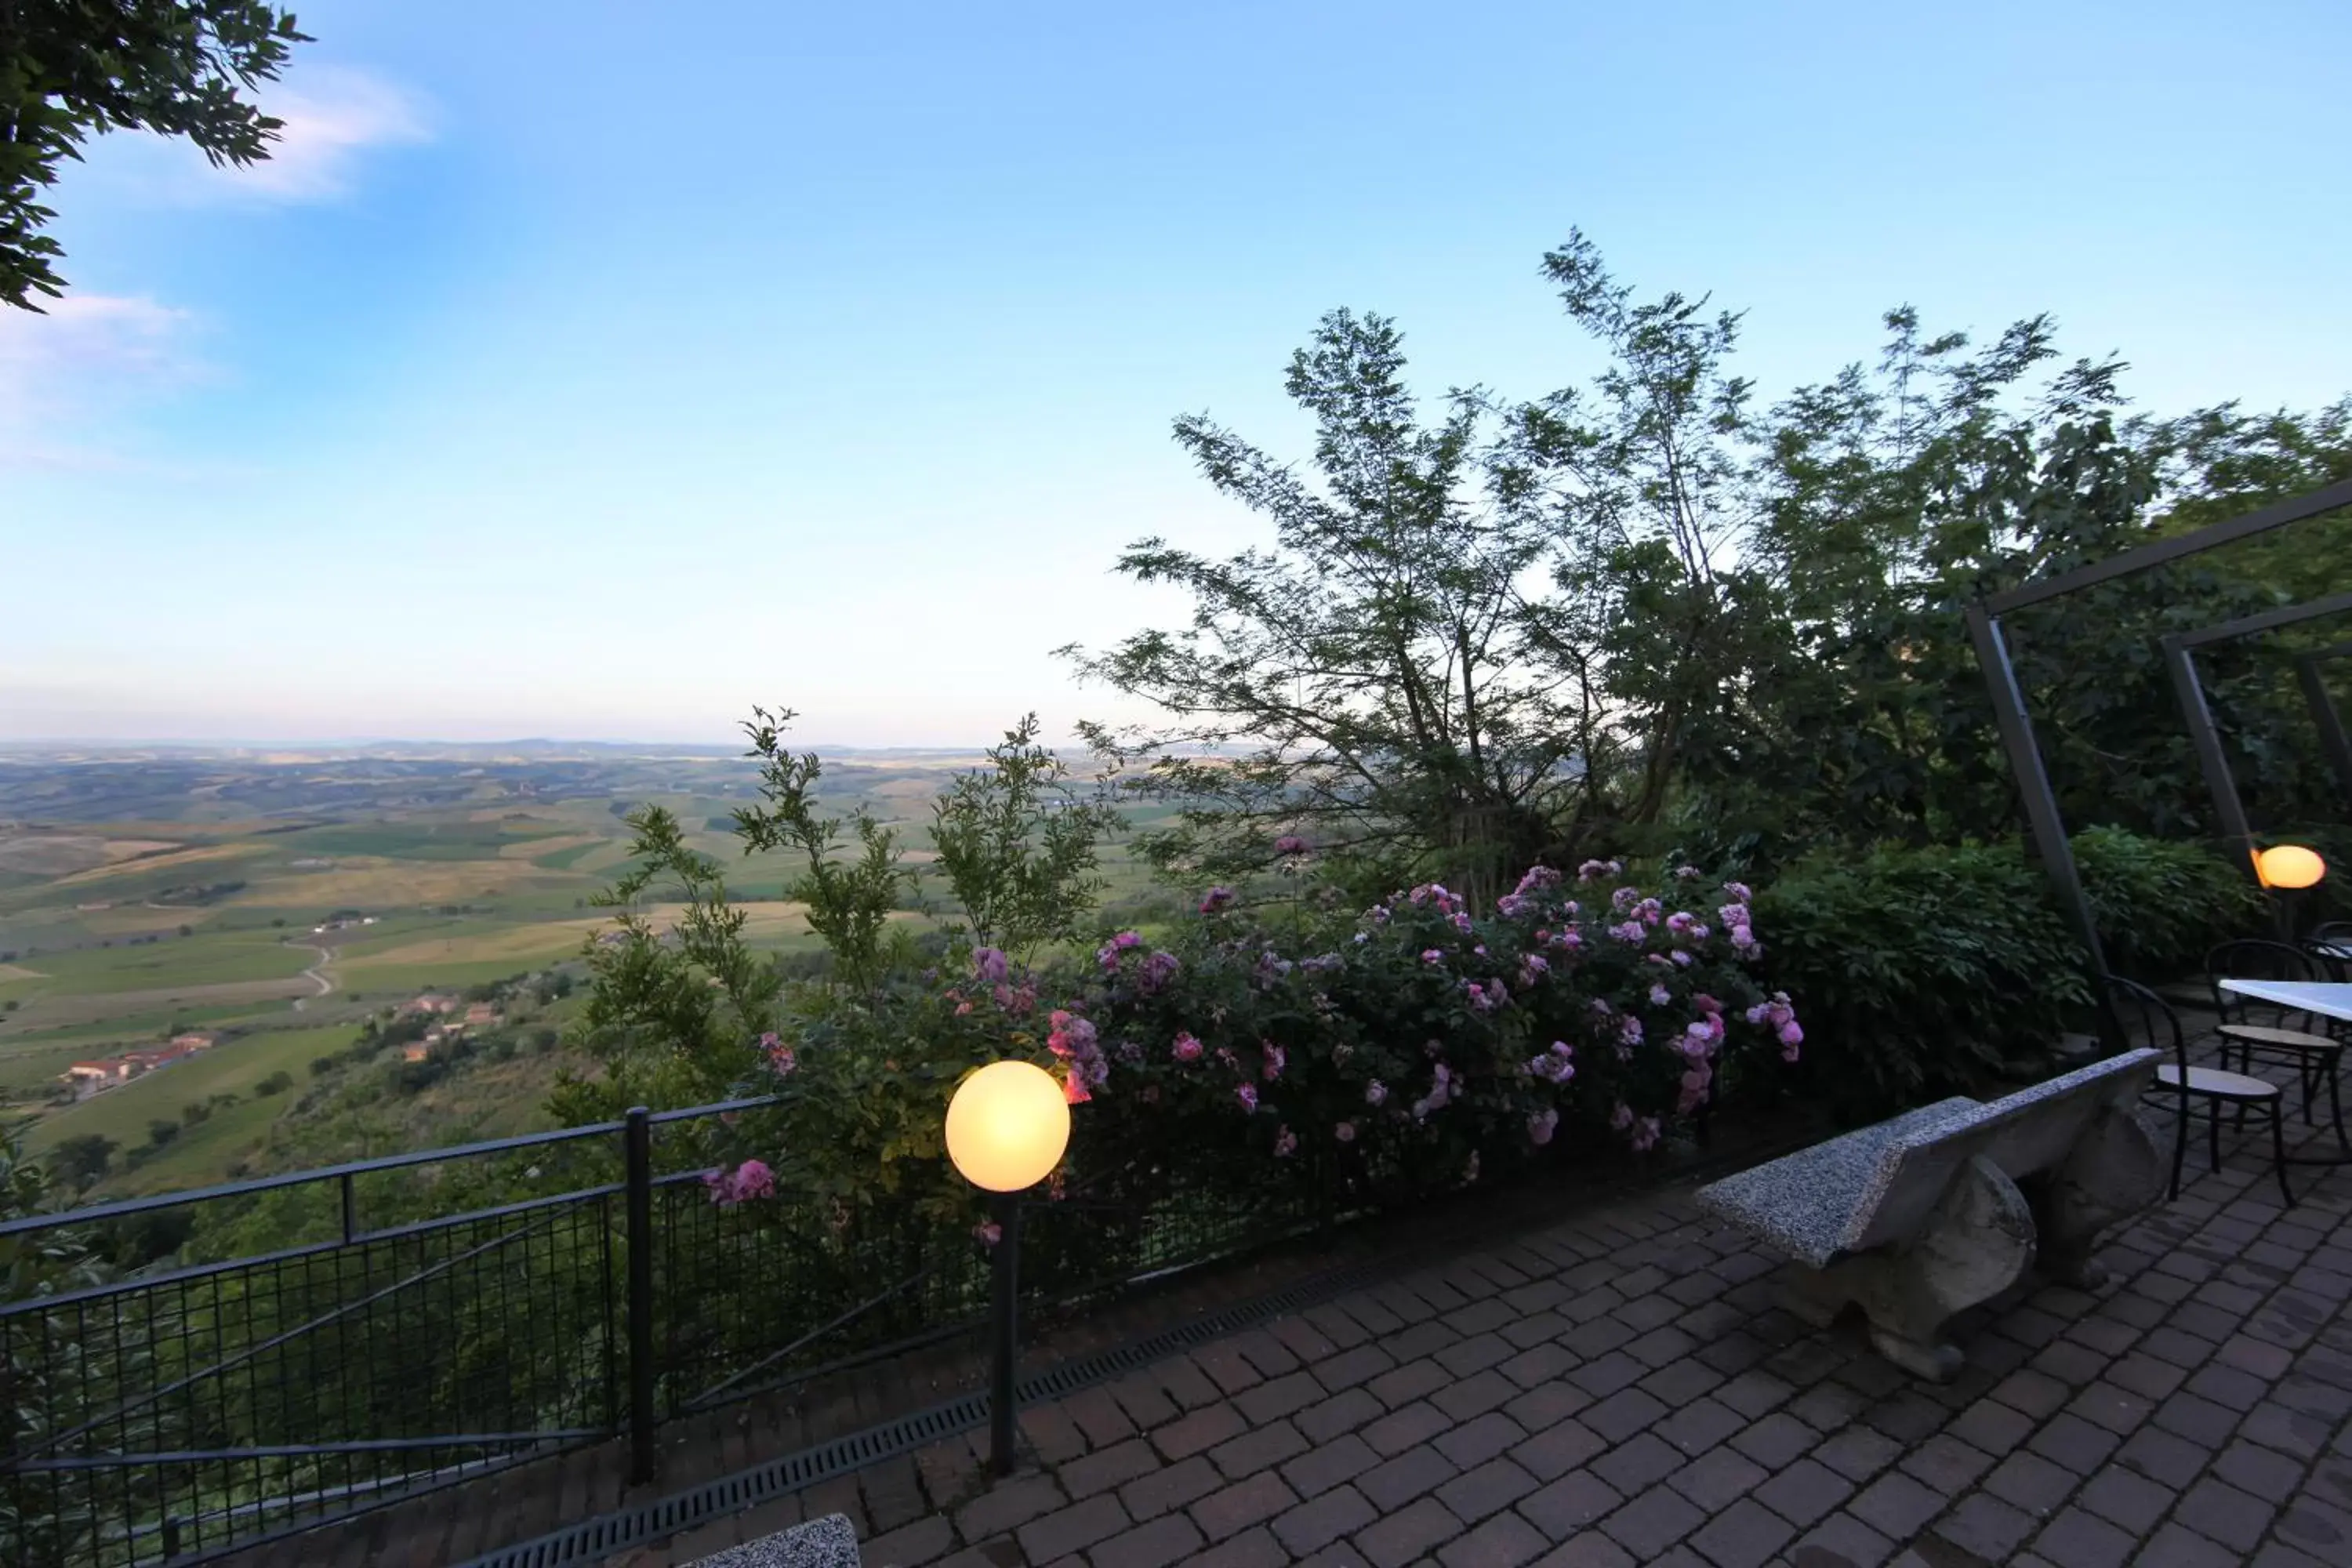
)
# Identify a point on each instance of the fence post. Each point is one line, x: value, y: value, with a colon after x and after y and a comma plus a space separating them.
x: 637, y: 1139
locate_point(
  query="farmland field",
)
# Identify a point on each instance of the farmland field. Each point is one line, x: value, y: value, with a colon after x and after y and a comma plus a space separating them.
x: 148, y: 894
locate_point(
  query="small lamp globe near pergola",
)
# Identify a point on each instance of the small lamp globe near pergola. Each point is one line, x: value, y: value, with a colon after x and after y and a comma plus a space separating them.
x: 2289, y: 865
x: 1007, y: 1127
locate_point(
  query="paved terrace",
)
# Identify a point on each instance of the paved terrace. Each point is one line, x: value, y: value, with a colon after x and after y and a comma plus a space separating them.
x: 1619, y: 1388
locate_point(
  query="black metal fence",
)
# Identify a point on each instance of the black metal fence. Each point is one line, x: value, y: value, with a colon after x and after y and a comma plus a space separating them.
x: 184, y: 1413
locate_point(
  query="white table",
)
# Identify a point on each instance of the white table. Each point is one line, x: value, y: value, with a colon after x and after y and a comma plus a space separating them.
x: 2327, y: 1000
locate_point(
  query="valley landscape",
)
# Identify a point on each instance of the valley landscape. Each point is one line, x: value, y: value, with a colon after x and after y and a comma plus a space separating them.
x: 284, y: 907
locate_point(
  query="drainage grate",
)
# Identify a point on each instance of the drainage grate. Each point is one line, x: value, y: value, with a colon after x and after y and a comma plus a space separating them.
x: 595, y: 1539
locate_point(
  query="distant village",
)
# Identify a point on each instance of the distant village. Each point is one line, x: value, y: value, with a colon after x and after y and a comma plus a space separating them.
x: 446, y: 1025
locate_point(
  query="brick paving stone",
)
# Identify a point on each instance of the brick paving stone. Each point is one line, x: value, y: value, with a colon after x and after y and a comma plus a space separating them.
x: 921, y: 1541
x: 1946, y: 1465
x: 1474, y: 1395
x: 1405, y: 1477
x: 1538, y: 1364
x: 1652, y: 1522
x: 1234, y: 1509
x: 1858, y: 1453
x: 1475, y: 1354
x: 2035, y: 1393
x: 2123, y: 1498
x: 1108, y: 1467
x: 2147, y: 1376
x: 1408, y: 1533
x: 1718, y: 1478
x: 1413, y: 1380
x: 1604, y: 1374
x: 1896, y: 1505
x: 2264, y: 1472
x: 1010, y: 1503
x: 2163, y: 1457
x: 1401, y: 1429
x: 1252, y: 1549
x: 1280, y: 1396
x: 1776, y: 1440
x: 1745, y: 1535
x: 2216, y: 1509
x: 1317, y: 1523
x: 1201, y: 1430
x: 1558, y: 1449
x: 1097, y: 1416
x: 1804, y: 1492
x: 1623, y: 1414
x: 1146, y: 1497
x: 1700, y: 1426
x: 1630, y: 1467
x: 1320, y: 1469
x: 2174, y: 1546
x: 1168, y: 1539
x: 2078, y: 1539
x: 1071, y: 1529
x: 1260, y: 1448
x: 1186, y: 1384
x: 1492, y: 1486
x: 1505, y: 1540
x: 1340, y: 1412
x: 1838, y: 1540
x: 1754, y: 1392
x: 1985, y: 1527
x: 2074, y: 1444
x: 1547, y: 1403
x: 1478, y: 1440
x: 1570, y: 1503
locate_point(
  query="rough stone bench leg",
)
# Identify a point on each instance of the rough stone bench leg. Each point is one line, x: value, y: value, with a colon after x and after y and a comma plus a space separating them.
x: 1978, y: 1243
x: 2120, y: 1167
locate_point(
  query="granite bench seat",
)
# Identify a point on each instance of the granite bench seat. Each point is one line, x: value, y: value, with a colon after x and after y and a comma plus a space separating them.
x: 1918, y: 1219
x: 828, y: 1543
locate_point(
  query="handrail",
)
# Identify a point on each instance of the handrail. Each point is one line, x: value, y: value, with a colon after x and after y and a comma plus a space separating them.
x: 95, y: 1212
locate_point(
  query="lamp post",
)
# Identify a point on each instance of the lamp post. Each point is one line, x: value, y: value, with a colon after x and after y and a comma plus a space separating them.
x: 1007, y: 1127
x: 2289, y: 867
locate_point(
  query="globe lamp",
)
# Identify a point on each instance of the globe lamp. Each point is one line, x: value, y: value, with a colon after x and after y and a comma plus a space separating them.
x: 2289, y: 865
x: 1007, y: 1126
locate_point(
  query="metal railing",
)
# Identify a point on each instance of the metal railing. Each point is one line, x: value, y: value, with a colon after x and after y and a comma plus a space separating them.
x: 184, y: 1413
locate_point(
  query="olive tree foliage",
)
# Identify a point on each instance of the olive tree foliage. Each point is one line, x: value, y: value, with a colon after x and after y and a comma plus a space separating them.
x: 1017, y: 846
x: 69, y: 69
x: 1392, y: 678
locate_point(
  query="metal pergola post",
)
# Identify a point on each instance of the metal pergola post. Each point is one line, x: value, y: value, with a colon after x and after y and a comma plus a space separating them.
x: 1984, y: 618
x: 2326, y: 715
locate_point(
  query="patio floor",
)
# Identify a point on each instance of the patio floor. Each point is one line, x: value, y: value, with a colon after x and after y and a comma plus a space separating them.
x: 1619, y: 1387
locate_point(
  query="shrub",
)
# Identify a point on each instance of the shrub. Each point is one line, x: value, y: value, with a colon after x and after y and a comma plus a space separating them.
x: 1924, y: 968
x: 2162, y: 906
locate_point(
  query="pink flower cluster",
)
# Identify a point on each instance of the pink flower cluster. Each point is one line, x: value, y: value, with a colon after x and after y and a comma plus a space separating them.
x: 781, y: 1061
x: 1072, y: 1040
x: 1781, y: 1018
x: 752, y: 1179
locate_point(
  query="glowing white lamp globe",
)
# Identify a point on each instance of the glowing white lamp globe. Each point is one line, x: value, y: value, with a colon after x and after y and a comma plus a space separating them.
x: 1007, y: 1126
x: 2289, y: 865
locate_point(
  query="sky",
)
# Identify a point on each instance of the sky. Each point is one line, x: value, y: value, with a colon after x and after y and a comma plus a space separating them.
x: 596, y: 371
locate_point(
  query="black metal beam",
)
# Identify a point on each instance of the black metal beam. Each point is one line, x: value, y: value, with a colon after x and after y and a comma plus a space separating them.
x: 2230, y: 812
x: 2276, y: 515
x: 2267, y: 621
x: 2332, y: 740
x: 2041, y: 815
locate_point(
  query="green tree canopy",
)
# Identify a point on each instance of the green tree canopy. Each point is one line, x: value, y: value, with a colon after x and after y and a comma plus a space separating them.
x: 69, y: 69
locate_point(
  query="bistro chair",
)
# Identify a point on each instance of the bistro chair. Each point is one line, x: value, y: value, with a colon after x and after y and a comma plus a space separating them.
x: 2143, y: 1015
x: 2332, y: 942
x: 2251, y: 1027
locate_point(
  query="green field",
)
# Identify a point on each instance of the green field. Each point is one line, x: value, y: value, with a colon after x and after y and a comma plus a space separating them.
x: 469, y: 870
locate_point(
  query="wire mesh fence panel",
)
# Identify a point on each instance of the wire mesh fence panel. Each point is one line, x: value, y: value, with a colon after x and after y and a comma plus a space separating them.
x: 218, y: 1404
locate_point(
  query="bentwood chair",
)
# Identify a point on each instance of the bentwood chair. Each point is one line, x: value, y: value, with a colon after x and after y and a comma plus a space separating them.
x: 2251, y: 1029
x: 2144, y: 1015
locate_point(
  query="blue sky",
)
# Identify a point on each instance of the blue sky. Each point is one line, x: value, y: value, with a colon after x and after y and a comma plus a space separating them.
x: 597, y: 370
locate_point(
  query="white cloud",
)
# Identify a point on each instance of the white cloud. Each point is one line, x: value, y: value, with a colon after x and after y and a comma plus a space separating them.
x: 331, y: 117
x: 86, y: 354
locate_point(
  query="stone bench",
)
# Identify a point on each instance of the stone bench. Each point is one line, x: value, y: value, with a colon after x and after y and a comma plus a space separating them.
x: 828, y: 1543
x: 1918, y: 1219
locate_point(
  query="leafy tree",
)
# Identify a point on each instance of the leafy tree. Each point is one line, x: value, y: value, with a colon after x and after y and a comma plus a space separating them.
x: 161, y: 1133
x: 1018, y: 848
x: 81, y: 1160
x: 69, y: 69
x: 849, y: 899
x: 1396, y: 693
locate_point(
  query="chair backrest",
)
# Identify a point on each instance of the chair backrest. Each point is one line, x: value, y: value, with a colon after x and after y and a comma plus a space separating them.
x: 2332, y: 958
x: 2255, y: 958
x: 2148, y: 1018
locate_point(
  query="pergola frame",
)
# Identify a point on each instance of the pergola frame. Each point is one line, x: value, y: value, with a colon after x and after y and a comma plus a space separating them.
x: 2326, y: 714
x: 2016, y: 724
x: 2230, y: 811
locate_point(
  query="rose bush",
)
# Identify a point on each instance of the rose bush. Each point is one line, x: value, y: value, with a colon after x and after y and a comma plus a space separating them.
x: 1306, y: 1057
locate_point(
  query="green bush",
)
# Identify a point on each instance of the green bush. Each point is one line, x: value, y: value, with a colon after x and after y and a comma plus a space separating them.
x: 1921, y: 969
x: 2162, y: 906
